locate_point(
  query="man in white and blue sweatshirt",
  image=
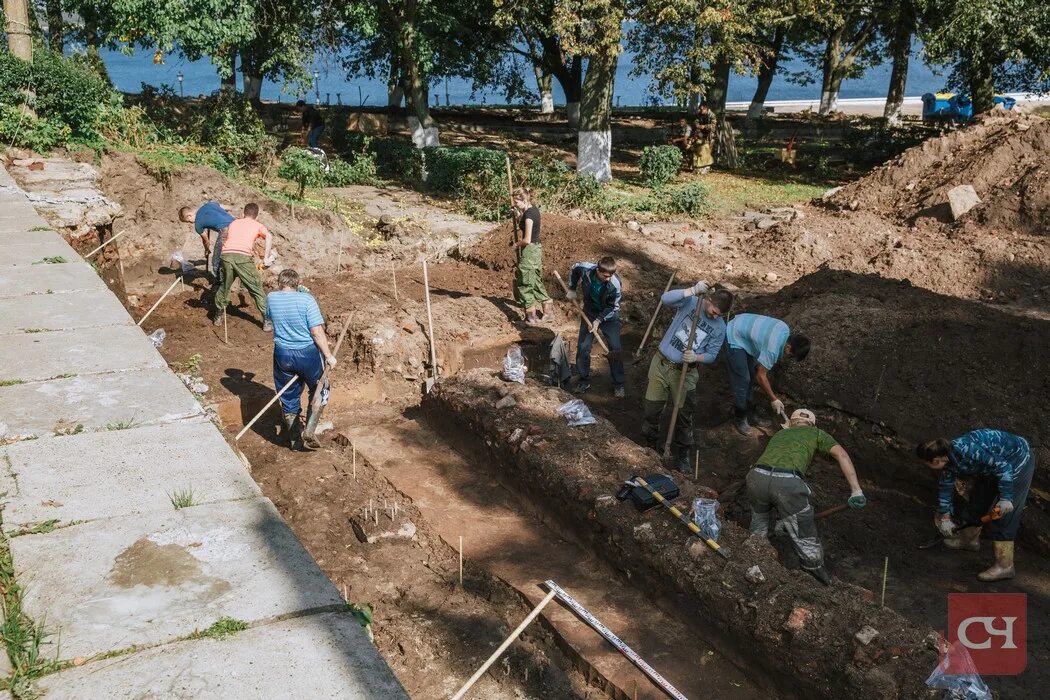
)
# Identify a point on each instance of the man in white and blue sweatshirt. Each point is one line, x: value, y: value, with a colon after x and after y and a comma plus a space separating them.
x: 666, y: 366
x: 601, y: 290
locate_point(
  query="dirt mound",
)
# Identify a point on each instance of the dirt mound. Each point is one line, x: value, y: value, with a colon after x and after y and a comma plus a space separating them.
x: 305, y: 238
x: 1003, y: 155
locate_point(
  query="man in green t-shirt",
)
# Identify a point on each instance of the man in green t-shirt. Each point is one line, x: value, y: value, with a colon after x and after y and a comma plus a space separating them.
x: 776, y: 481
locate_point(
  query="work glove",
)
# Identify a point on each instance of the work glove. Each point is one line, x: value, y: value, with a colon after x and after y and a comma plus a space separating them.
x: 330, y: 359
x: 571, y: 295
x: 778, y: 407
x: 1005, y: 507
x: 945, y: 525
x: 857, y: 500
x: 700, y: 287
x: 689, y: 357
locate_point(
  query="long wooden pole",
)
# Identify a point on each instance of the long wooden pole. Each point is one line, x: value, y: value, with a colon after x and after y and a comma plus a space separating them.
x: 430, y: 322
x: 679, y: 399
x: 106, y: 243
x: 579, y: 310
x: 266, y: 407
x: 503, y: 647
x: 652, y: 321
x: 166, y: 293
x: 315, y: 406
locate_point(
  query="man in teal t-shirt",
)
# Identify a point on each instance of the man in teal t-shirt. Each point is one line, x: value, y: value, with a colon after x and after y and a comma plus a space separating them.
x: 776, y: 481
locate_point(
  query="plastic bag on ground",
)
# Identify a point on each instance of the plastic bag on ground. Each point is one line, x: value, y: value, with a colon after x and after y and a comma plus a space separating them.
x: 705, y: 515
x: 157, y: 337
x: 967, y: 685
x: 514, y: 365
x: 576, y: 413
x: 180, y: 261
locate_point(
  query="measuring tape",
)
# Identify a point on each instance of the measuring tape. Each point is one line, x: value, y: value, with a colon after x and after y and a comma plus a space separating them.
x: 616, y: 642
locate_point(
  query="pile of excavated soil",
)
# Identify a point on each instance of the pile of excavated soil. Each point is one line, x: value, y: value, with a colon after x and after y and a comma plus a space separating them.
x: 305, y: 238
x: 1003, y: 155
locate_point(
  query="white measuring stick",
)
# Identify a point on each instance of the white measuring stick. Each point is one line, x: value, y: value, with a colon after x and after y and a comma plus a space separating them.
x: 502, y: 647
x: 106, y: 243
x: 615, y: 641
x: 265, y: 408
x: 166, y: 293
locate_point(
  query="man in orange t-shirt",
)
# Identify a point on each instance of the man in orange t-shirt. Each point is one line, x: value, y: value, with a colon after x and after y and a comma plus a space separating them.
x: 238, y: 261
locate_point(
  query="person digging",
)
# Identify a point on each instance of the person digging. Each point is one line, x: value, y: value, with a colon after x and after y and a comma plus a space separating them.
x: 300, y: 349
x: 1001, y: 465
x: 238, y: 262
x: 601, y: 305
x: 209, y: 217
x: 529, y: 290
x: 756, y: 345
x: 665, y: 369
x: 778, y: 481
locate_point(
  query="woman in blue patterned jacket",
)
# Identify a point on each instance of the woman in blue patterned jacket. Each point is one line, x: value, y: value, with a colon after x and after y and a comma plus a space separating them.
x: 1001, y: 466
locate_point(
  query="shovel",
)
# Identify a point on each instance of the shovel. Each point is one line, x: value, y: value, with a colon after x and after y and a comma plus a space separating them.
x: 652, y: 321
x: 681, y: 385
x: 579, y: 310
x: 316, y: 409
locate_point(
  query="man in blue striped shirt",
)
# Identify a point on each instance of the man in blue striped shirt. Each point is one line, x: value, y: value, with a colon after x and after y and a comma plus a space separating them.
x: 1001, y: 466
x: 601, y: 304
x: 299, y: 343
x: 756, y: 344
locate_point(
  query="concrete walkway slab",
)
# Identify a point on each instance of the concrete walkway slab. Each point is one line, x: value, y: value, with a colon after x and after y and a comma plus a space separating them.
x: 62, y: 311
x: 13, y: 216
x: 43, y: 279
x: 34, y: 251
x: 316, y: 657
x: 150, y: 579
x: 17, y: 233
x: 121, y: 472
x: 146, y: 396
x: 35, y: 356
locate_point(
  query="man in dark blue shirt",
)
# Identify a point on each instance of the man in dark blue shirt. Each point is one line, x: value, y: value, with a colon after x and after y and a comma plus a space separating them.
x: 601, y: 304
x: 210, y: 216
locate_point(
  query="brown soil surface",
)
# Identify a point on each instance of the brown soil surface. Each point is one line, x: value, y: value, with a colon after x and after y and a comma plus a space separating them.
x: 1003, y: 155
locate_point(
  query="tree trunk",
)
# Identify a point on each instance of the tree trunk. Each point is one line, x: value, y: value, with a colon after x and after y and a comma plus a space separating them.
x: 252, y: 86
x: 395, y: 91
x: 829, y: 95
x: 19, y: 37
x: 56, y: 26
x: 766, y: 74
x: 424, y: 128
x: 716, y: 96
x: 573, y: 88
x: 544, y: 84
x: 594, y: 149
x: 900, y: 50
x: 982, y: 86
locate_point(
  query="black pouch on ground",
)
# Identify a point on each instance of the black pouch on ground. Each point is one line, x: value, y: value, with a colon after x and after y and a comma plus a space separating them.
x: 642, y: 499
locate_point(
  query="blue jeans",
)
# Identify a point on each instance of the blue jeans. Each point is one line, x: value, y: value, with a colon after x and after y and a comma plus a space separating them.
x: 741, y: 379
x: 305, y: 365
x: 611, y: 330
x: 985, y: 494
x: 313, y: 137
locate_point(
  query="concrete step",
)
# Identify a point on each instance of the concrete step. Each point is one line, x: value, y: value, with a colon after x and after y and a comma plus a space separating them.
x: 53, y: 312
x: 35, y: 356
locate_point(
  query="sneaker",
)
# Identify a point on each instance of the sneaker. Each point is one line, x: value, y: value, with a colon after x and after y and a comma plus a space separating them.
x: 742, y: 426
x: 267, y: 325
x: 531, y: 319
x: 619, y: 392
x: 581, y: 388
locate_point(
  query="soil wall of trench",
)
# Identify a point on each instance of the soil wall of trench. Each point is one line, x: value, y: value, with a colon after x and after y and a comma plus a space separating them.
x: 575, y: 472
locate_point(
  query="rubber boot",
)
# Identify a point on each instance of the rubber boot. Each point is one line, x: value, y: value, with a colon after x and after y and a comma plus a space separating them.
x: 1003, y: 568
x: 741, y: 425
x: 293, y: 430
x: 548, y: 310
x: 821, y: 574
x: 969, y: 539
x: 754, y: 419
x: 684, y: 463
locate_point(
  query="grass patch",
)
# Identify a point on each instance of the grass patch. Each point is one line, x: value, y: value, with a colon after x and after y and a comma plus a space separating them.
x: 731, y: 192
x: 222, y: 628
x: 120, y: 424
x: 193, y: 364
x: 24, y: 640
x: 51, y: 260
x: 39, y: 228
x: 11, y: 382
x: 67, y: 375
x: 181, y: 498
x: 37, y: 330
x: 38, y: 529
x: 70, y: 430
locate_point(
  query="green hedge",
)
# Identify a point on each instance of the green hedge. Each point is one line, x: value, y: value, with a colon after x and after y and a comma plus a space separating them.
x: 395, y: 157
x: 660, y: 164
x: 477, y: 175
x: 66, y: 92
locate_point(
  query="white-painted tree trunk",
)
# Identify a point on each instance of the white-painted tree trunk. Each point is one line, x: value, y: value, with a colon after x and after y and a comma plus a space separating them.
x: 829, y: 101
x: 252, y: 86
x: 547, y: 102
x: 423, y: 137
x: 572, y: 109
x: 594, y: 154
x: 894, y: 113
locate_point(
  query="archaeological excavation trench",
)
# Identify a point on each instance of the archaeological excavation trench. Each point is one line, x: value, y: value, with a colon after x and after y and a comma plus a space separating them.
x: 401, y: 477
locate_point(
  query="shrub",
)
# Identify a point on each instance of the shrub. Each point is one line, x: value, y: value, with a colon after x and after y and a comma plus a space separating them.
x: 660, y: 164
x: 229, y: 123
x: 351, y: 144
x: 559, y: 187
x: 40, y: 135
x: 477, y: 175
x: 299, y: 166
x: 360, y: 172
x: 396, y: 158
x: 691, y: 199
